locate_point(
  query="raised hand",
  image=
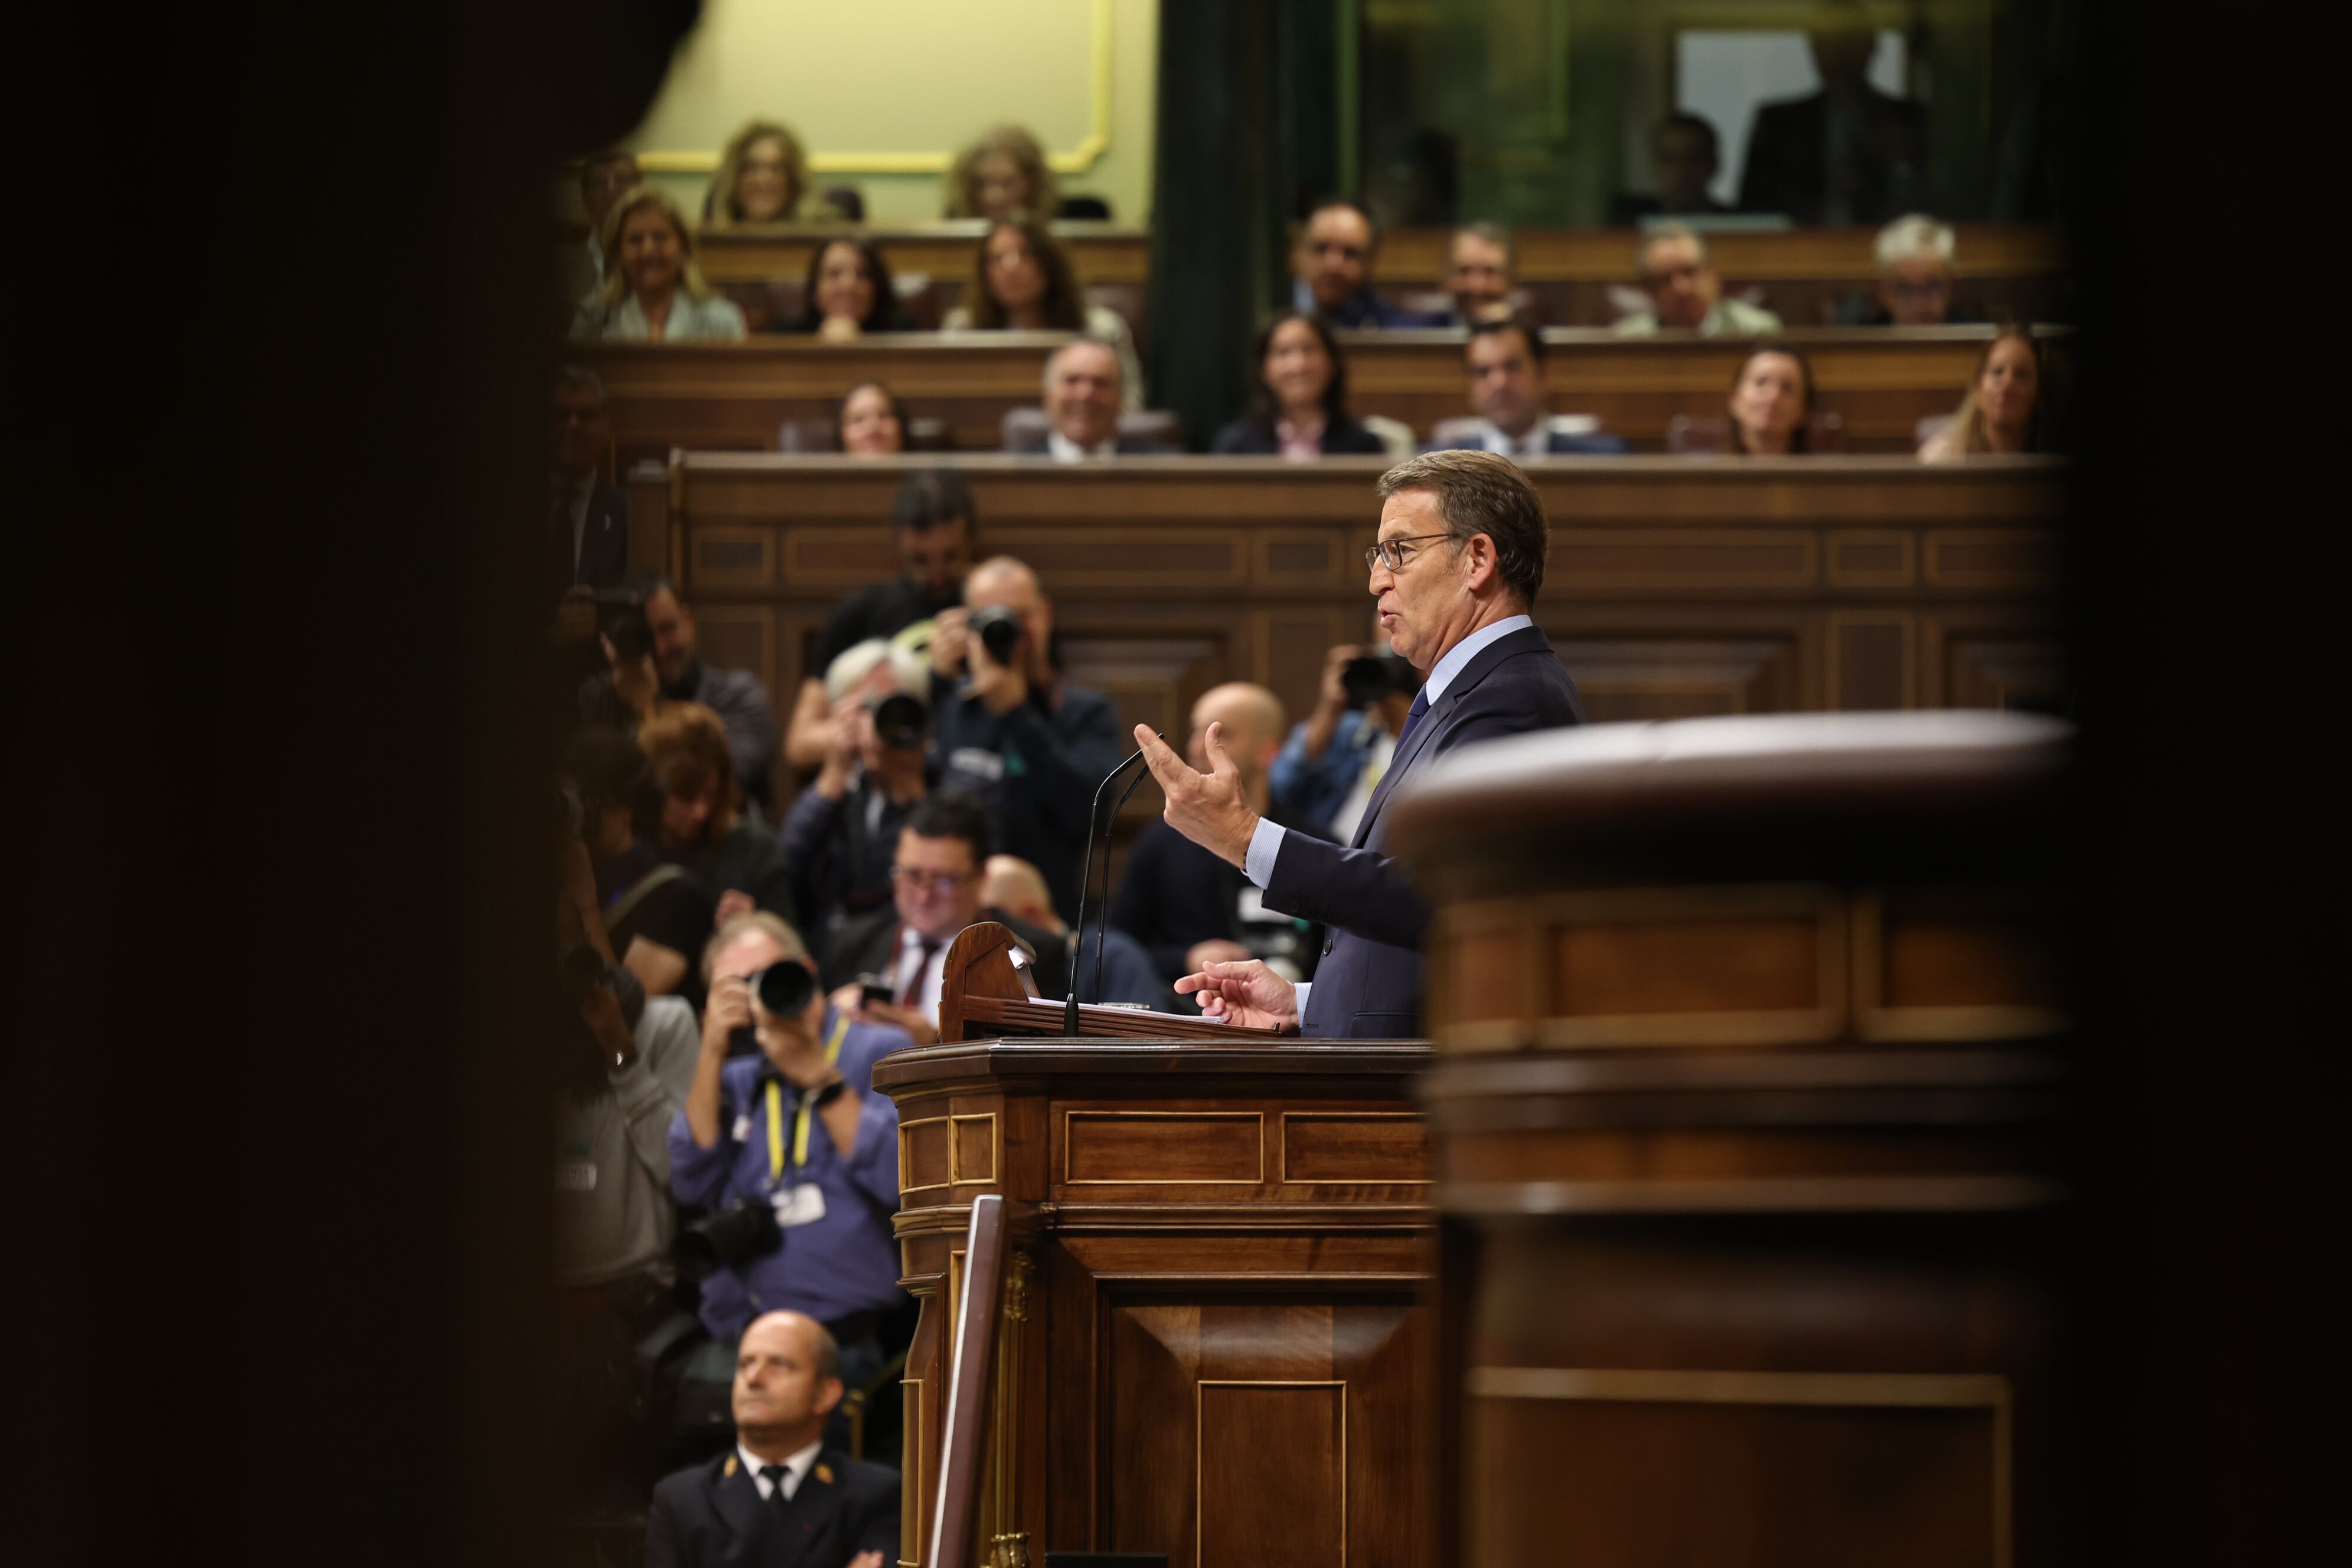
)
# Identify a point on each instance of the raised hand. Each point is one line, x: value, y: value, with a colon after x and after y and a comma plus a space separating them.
x: 1212, y: 809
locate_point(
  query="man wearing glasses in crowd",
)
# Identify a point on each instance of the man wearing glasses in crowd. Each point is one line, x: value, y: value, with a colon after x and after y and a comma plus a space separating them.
x: 935, y: 893
x: 1459, y: 562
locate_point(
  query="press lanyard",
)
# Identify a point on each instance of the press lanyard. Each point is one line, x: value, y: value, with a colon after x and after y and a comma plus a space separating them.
x: 801, y: 1118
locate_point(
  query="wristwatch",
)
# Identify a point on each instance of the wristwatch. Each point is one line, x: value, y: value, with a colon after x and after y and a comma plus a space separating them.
x: 826, y: 1093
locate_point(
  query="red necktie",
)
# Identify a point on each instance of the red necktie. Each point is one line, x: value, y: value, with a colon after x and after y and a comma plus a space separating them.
x: 914, y: 980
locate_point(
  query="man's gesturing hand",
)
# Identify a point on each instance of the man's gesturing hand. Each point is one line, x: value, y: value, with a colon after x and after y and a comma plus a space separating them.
x: 1211, y: 809
x: 1248, y: 993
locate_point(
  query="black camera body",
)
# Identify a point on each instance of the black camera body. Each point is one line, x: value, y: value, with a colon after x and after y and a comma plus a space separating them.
x: 621, y: 617
x: 1368, y: 680
x: 729, y: 1239
x: 899, y: 719
x: 1000, y: 631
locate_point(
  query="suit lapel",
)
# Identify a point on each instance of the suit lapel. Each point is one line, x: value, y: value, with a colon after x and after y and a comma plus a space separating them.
x: 735, y: 1497
x: 1440, y: 713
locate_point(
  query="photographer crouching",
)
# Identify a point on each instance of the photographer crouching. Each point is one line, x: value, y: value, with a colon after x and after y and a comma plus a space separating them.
x: 797, y: 1161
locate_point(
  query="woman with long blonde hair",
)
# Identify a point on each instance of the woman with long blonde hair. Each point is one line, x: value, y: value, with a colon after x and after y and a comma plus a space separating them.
x: 763, y: 174
x: 1003, y: 174
x: 2006, y: 408
x: 653, y: 293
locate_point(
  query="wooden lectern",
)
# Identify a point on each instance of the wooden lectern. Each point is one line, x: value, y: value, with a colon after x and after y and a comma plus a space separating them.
x: 1197, y: 1251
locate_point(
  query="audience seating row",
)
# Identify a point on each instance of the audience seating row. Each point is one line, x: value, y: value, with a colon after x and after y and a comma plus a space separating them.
x: 1567, y: 276
x: 1880, y: 382
x: 1676, y: 587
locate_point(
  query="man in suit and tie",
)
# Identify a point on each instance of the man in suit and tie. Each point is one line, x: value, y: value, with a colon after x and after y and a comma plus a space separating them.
x: 779, y: 1498
x: 588, y: 518
x: 1456, y: 568
x: 1082, y: 404
x: 1846, y: 154
x: 1510, y: 386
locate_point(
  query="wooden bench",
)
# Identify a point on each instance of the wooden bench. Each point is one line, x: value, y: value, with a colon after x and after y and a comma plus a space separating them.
x: 733, y: 396
x: 1676, y: 586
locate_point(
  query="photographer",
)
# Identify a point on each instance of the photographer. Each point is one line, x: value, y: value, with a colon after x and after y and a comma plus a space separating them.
x: 655, y: 657
x: 841, y: 830
x: 1325, y: 774
x: 1188, y: 907
x: 797, y: 1164
x: 1010, y: 730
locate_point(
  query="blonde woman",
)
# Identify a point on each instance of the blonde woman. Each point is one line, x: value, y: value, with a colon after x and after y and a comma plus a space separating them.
x: 653, y: 293
x: 763, y: 175
x: 1003, y: 174
x: 2005, y: 410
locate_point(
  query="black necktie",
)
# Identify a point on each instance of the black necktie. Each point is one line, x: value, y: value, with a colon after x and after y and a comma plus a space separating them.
x: 774, y: 1476
x: 1412, y: 717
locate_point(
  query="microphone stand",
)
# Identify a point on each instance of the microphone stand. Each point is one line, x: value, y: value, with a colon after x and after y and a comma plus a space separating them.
x: 1085, y: 887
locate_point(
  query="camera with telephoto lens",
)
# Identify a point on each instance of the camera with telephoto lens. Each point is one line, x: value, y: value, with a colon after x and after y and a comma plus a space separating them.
x: 785, y: 988
x: 728, y: 1240
x: 621, y: 617
x: 897, y: 720
x: 1368, y: 680
x: 1000, y: 631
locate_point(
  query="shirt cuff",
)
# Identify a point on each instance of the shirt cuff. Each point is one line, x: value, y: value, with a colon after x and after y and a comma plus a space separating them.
x: 1303, y: 987
x: 1266, y: 843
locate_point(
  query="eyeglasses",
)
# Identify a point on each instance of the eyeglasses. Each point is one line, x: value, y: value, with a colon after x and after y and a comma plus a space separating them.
x: 915, y: 879
x: 1393, y: 553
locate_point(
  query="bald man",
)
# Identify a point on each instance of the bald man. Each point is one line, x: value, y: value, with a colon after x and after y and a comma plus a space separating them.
x: 781, y: 1495
x: 1030, y: 744
x: 1014, y: 887
x: 1187, y: 906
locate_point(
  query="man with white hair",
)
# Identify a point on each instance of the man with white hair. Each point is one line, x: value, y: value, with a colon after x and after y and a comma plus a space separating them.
x: 1915, y: 274
x: 1083, y: 403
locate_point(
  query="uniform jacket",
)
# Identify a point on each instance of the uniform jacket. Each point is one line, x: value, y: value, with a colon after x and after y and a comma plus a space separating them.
x: 712, y: 1516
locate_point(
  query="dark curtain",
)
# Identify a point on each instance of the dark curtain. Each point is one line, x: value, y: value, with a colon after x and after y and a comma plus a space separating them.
x: 1216, y: 231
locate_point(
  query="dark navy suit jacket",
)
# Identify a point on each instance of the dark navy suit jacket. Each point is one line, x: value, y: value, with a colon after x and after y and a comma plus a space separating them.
x: 712, y: 1516
x: 1368, y: 984
x: 1558, y: 443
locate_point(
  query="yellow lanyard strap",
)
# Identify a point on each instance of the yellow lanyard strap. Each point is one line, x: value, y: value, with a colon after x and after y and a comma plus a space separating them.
x: 800, y: 1119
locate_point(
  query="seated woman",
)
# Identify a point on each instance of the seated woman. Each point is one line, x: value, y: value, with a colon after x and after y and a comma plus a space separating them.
x: 656, y: 912
x: 2005, y: 409
x: 1023, y: 280
x: 696, y: 818
x: 1771, y: 403
x: 1302, y: 396
x: 653, y: 293
x: 842, y: 832
x: 848, y: 292
x: 869, y: 422
x: 763, y: 175
x: 1003, y: 175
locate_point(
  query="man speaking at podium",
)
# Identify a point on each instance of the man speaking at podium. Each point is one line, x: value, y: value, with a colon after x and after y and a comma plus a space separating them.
x: 1459, y: 559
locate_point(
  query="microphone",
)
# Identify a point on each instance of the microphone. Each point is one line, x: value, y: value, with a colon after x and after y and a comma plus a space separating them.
x: 1086, y: 886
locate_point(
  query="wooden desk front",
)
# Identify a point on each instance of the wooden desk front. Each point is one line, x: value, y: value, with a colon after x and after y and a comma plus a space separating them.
x: 1676, y: 586
x: 733, y: 396
x: 1216, y: 1306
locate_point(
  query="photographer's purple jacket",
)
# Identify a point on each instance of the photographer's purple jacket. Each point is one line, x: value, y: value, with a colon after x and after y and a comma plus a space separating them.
x: 846, y: 1262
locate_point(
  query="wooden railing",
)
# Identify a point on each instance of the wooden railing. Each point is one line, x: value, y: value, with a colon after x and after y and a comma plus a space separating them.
x: 980, y: 1432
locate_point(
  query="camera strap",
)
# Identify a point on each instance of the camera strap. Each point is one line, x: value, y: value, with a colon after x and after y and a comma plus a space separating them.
x: 800, y: 1116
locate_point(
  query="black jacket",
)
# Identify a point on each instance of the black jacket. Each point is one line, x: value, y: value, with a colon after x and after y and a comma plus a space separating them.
x: 1788, y: 170
x: 1175, y: 895
x: 1368, y: 985
x: 1036, y: 766
x: 869, y: 944
x: 712, y: 1516
x: 1256, y: 437
x: 603, y: 557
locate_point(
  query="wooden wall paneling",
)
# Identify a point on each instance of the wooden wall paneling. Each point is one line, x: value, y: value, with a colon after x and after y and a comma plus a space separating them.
x: 1874, y: 660
x: 739, y: 637
x: 1688, y: 659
